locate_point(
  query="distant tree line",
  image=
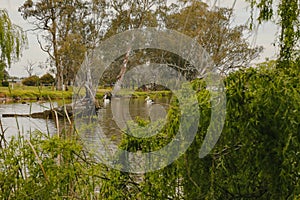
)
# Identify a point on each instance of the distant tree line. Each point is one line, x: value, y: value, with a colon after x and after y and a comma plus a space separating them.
x: 34, y: 80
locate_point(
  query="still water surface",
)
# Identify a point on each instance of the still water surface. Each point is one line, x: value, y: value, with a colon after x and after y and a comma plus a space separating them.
x: 12, y: 125
x: 111, y: 117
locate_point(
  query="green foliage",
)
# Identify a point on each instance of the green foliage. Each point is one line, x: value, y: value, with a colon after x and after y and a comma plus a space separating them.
x: 3, y: 74
x: 47, y: 79
x: 30, y: 92
x: 70, y: 28
x: 12, y: 39
x: 2, y: 69
x: 286, y: 14
x: 256, y: 157
x: 46, y: 168
x: 31, y: 81
x: 212, y: 28
x: 265, y: 103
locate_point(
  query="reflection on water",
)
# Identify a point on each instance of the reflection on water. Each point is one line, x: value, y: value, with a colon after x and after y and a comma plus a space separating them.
x: 112, y: 119
x: 102, y: 134
x: 12, y: 125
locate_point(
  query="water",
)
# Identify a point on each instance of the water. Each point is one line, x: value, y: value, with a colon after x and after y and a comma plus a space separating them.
x: 112, y: 118
x: 101, y: 135
x: 24, y: 125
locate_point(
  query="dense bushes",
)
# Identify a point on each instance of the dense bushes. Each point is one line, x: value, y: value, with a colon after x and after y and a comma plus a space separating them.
x: 46, y: 79
x: 31, y: 81
x: 257, y: 156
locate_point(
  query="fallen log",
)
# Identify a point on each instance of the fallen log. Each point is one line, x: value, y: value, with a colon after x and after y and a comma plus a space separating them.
x: 62, y: 111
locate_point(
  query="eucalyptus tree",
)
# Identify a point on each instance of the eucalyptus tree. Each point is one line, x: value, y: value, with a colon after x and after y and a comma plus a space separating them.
x: 127, y: 15
x: 68, y: 29
x: 213, y: 30
x: 12, y: 41
x: 84, y: 29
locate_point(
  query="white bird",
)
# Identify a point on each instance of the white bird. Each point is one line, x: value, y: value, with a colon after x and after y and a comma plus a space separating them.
x: 106, y: 99
x: 149, y: 101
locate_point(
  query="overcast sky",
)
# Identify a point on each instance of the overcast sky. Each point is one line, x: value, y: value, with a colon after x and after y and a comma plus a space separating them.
x: 265, y: 36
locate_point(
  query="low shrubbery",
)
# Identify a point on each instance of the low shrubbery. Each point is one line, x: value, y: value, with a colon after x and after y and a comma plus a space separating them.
x: 46, y: 79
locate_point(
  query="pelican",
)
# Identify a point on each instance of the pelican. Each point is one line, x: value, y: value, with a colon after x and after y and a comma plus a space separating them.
x: 149, y: 101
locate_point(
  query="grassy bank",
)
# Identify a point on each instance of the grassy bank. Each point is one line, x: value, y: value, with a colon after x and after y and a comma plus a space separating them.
x: 33, y: 93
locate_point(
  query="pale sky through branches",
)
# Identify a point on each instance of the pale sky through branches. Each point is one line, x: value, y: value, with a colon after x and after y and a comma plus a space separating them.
x: 265, y: 36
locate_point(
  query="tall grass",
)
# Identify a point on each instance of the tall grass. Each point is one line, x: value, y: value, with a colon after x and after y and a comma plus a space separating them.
x: 42, y: 166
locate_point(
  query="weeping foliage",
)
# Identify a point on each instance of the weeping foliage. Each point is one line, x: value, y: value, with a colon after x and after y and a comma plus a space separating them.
x: 12, y: 39
x: 257, y: 155
x: 286, y: 14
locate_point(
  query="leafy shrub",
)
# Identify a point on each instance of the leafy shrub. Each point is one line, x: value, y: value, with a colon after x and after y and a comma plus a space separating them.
x: 47, y: 79
x: 31, y: 81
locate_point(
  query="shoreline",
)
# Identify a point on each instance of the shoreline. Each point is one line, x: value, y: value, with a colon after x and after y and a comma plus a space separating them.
x: 33, y: 93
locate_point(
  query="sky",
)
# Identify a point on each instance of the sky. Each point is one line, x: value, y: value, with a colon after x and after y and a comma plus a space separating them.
x: 265, y: 35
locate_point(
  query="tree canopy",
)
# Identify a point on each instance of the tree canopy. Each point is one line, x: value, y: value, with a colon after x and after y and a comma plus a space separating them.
x: 72, y: 28
x: 68, y: 29
x: 211, y: 28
